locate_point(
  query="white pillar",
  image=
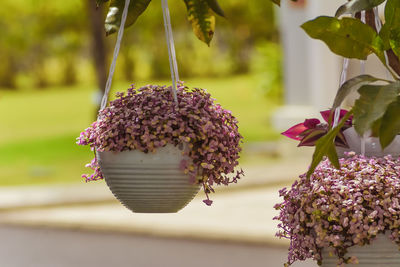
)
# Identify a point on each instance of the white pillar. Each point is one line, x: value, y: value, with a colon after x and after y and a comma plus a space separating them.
x: 311, y: 70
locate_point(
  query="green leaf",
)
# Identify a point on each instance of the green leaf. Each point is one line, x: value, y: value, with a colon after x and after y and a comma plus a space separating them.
x: 389, y: 32
x: 354, y: 6
x: 99, y: 2
x: 347, y: 37
x: 350, y: 86
x: 325, y: 146
x: 395, y: 39
x: 202, y: 20
x: 277, y: 2
x: 213, y: 4
x: 114, y: 15
x: 391, y: 10
x: 390, y: 124
x: 372, y: 104
x: 311, y: 137
x: 375, y: 128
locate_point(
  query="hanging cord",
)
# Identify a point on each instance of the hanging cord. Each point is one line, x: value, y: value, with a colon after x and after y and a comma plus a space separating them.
x: 378, y: 25
x: 362, y: 62
x: 362, y: 71
x: 171, y: 48
x: 115, y: 56
x: 343, y: 78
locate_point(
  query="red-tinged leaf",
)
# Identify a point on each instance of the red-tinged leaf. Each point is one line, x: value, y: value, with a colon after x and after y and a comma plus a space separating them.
x: 311, y: 123
x: 312, y: 137
x: 327, y: 115
x: 295, y: 131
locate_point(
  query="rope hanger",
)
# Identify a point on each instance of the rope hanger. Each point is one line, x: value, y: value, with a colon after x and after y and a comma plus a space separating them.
x: 171, y: 52
x: 343, y: 76
x: 173, y: 65
x: 115, y: 56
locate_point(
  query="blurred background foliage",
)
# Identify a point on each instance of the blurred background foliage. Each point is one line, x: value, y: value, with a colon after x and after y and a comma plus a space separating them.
x: 54, y: 60
x: 47, y: 43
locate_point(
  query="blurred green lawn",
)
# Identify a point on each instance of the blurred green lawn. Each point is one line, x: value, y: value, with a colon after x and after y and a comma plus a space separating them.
x: 39, y: 128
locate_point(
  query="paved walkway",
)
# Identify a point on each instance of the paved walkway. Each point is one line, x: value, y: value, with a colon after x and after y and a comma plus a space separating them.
x: 243, y: 216
x: 74, y: 248
x: 242, y: 212
x: 275, y: 172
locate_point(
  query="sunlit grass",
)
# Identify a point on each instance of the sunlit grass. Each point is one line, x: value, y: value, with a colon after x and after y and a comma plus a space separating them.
x: 39, y: 128
x: 50, y: 160
x: 42, y: 114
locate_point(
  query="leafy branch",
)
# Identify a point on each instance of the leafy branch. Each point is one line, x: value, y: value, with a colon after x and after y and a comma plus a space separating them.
x: 378, y: 105
x: 200, y: 15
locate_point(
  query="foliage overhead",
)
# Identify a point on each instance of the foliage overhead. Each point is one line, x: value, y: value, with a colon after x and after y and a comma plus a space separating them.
x: 200, y: 15
x: 202, y: 20
x: 114, y: 15
x: 354, y: 6
x: 44, y: 43
x: 213, y: 4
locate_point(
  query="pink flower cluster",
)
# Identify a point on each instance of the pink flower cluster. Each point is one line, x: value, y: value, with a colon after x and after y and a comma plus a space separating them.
x: 148, y: 118
x: 340, y: 208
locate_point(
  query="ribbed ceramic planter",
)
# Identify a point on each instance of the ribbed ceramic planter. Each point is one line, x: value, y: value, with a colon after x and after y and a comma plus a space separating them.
x: 148, y: 182
x: 382, y: 252
x: 372, y: 145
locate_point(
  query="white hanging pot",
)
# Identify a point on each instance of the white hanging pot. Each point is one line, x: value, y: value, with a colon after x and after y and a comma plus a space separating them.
x: 372, y: 145
x: 382, y: 252
x: 148, y: 182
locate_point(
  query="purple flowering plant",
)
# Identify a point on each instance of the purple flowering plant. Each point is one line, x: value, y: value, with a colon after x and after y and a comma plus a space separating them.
x: 148, y: 118
x: 340, y: 208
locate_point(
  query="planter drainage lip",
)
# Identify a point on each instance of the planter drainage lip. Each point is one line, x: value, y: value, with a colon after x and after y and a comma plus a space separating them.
x: 148, y: 182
